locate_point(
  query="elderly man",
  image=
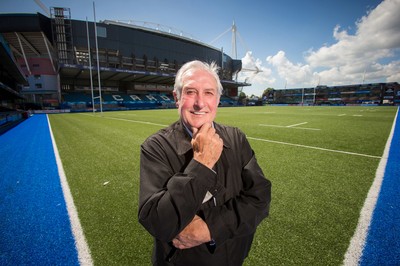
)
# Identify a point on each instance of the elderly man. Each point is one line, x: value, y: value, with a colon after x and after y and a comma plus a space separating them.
x: 202, y: 192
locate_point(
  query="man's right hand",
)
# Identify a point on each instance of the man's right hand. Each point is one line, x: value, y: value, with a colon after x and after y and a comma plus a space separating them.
x: 207, y: 145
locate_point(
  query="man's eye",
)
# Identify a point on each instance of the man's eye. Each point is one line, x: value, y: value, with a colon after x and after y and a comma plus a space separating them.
x: 190, y: 92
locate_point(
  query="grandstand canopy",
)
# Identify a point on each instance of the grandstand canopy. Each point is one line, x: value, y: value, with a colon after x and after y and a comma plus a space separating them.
x: 115, y: 74
x: 71, y: 71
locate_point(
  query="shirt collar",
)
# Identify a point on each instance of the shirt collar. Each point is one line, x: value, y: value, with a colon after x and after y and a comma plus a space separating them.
x: 185, y: 135
x: 190, y: 131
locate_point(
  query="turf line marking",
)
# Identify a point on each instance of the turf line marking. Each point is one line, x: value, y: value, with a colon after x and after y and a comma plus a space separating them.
x: 82, y: 247
x: 306, y: 128
x: 315, y: 148
x: 357, y: 242
x: 299, y: 124
x: 264, y: 125
x: 136, y: 121
x: 133, y: 121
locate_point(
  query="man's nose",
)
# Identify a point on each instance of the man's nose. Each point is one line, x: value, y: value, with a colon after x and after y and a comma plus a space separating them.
x: 199, y: 102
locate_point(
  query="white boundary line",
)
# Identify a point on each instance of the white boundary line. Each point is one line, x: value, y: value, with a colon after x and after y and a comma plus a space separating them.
x: 132, y: 121
x: 357, y: 242
x: 82, y: 247
x: 295, y: 126
x: 135, y: 121
x: 299, y: 124
x: 315, y: 148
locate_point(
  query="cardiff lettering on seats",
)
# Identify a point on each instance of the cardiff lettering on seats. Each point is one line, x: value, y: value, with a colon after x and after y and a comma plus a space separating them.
x: 165, y: 98
x: 117, y: 97
x: 151, y: 97
x: 135, y: 97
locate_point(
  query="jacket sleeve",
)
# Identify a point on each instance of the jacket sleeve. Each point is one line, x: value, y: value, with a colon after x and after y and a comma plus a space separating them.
x: 240, y: 215
x: 168, y: 201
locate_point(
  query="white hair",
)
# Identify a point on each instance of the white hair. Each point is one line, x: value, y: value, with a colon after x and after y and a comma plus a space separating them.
x: 191, y: 67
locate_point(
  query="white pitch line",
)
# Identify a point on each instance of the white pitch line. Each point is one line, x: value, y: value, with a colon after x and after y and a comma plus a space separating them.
x: 357, y: 242
x: 135, y: 121
x: 306, y: 128
x: 264, y: 125
x: 315, y: 148
x: 299, y: 124
x: 82, y: 247
x: 128, y: 120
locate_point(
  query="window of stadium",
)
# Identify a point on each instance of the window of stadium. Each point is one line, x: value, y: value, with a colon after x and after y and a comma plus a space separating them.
x: 101, y: 32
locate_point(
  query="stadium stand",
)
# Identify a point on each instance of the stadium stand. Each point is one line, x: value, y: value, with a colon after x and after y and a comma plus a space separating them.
x: 11, y: 81
x: 358, y: 94
x: 78, y: 102
x: 57, y: 70
x: 134, y: 62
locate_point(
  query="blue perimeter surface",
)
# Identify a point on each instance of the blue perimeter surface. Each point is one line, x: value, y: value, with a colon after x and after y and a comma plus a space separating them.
x: 34, y: 223
x: 383, y: 240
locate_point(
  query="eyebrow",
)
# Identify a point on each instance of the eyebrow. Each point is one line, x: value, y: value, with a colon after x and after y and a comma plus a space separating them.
x: 207, y: 89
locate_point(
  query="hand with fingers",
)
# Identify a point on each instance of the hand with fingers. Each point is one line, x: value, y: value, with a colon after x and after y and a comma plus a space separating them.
x: 207, y: 145
x: 194, y: 234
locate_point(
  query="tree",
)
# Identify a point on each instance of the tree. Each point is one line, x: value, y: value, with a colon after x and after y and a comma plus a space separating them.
x: 242, y: 98
x: 268, y: 95
x: 267, y: 91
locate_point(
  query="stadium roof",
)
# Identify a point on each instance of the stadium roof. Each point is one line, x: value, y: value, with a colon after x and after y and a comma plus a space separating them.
x: 159, y: 29
x: 117, y: 74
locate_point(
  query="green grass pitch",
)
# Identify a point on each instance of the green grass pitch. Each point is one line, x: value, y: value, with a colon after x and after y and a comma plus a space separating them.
x: 321, y: 161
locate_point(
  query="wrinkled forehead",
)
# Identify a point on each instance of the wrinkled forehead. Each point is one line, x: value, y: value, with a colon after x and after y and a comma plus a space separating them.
x: 199, y: 78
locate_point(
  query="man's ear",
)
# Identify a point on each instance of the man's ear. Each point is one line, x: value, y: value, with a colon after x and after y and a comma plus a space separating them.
x: 176, y: 99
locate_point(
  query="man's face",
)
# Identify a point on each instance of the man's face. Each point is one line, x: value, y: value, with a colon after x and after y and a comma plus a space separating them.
x: 199, y: 99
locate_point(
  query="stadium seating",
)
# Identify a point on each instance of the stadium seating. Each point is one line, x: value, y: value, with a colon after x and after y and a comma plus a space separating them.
x: 81, y: 102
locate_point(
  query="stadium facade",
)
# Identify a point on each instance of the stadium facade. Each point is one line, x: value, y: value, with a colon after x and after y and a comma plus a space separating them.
x: 372, y: 94
x: 137, y: 65
x: 57, y: 63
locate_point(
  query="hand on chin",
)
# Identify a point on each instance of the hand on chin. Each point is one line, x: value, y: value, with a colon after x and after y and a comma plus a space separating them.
x: 197, y: 124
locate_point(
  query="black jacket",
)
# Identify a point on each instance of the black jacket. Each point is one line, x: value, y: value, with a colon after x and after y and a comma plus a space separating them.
x: 173, y: 186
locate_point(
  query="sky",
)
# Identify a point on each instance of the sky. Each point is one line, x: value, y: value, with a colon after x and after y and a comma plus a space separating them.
x: 295, y: 43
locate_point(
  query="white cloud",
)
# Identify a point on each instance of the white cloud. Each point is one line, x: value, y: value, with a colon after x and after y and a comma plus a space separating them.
x: 364, y: 55
x: 377, y: 38
x: 292, y: 73
x: 254, y: 72
x: 369, y: 55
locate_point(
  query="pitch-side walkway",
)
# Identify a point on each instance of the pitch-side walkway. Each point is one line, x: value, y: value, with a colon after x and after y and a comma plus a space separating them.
x: 34, y: 224
x: 383, y: 240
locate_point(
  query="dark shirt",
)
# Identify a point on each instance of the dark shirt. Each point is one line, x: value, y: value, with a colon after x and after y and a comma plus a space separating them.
x: 173, y: 186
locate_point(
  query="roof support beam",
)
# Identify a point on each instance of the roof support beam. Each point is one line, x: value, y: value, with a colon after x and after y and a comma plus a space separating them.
x: 23, y: 52
x: 48, y: 52
x: 34, y: 50
x: 15, y: 50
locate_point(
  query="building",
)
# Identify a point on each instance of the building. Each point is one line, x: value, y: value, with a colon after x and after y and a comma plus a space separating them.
x: 12, y: 78
x: 375, y: 93
x: 137, y: 65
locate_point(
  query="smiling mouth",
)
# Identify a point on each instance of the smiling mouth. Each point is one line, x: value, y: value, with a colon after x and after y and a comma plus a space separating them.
x: 198, y: 113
